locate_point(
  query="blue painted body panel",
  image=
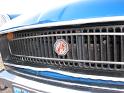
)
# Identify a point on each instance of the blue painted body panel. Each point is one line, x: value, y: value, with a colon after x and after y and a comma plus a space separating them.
x: 86, y: 9
x: 62, y: 77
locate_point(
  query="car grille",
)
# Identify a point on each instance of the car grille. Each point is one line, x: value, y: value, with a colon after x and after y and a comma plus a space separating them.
x: 90, y: 47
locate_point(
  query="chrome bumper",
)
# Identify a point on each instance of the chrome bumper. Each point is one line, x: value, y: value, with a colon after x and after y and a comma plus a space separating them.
x: 11, y: 80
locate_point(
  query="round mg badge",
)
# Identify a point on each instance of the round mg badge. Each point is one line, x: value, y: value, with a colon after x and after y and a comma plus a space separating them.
x: 61, y: 47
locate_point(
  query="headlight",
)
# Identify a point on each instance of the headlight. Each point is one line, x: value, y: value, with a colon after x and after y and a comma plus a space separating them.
x: 3, y: 19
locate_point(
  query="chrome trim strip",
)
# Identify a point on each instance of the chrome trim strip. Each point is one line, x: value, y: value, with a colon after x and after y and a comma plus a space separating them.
x: 69, y: 73
x: 39, y: 86
x: 72, y: 34
x: 9, y: 48
x: 71, y: 60
x: 70, y: 83
x: 64, y: 23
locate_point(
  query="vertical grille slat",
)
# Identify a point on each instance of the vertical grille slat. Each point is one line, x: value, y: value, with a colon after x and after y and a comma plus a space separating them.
x: 86, y: 47
x: 67, y: 39
x: 72, y: 46
x: 53, y: 41
x: 45, y: 47
x: 76, y: 48
x: 122, y: 46
x: 108, y: 47
x: 34, y: 47
x: 79, y: 47
x: 115, y: 48
x: 82, y: 45
x: 118, y: 42
x: 101, y: 47
x: 111, y: 48
x: 89, y: 49
x: 23, y: 47
x: 30, y: 47
x: 27, y: 46
x: 95, y: 47
x: 104, y: 45
x: 38, y: 46
x: 41, y: 47
x: 48, y: 44
x: 50, y: 47
x: 25, y: 42
x: 25, y: 50
x: 19, y: 47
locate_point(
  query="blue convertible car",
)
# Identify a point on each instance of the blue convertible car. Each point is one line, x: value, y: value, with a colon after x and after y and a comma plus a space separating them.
x: 74, y: 48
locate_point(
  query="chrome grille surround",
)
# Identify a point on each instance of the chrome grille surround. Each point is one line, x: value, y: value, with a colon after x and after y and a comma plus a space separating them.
x: 91, y: 47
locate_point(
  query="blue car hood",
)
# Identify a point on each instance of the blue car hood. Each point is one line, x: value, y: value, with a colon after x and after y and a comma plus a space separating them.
x: 81, y: 9
x: 84, y: 9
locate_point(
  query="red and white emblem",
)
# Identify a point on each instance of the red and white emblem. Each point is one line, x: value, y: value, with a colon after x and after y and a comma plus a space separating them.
x: 61, y: 47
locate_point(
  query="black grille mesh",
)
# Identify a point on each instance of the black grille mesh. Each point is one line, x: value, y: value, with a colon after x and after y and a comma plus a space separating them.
x: 89, y: 47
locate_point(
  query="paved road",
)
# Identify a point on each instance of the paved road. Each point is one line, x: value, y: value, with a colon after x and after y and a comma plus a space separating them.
x: 6, y: 91
x: 1, y: 65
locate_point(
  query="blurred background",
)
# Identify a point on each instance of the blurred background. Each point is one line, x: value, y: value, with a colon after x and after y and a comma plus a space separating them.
x: 29, y: 6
